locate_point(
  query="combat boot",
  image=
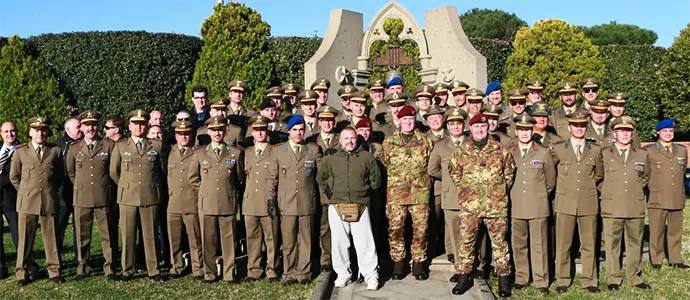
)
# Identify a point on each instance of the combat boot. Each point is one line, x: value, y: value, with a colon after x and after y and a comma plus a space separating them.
x: 504, y: 287
x: 419, y: 271
x: 463, y: 285
x: 398, y: 270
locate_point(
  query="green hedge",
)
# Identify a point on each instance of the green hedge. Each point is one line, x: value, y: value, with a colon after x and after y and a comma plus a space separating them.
x: 3, y: 41
x: 632, y: 69
x: 288, y: 55
x: 115, y: 72
x: 496, y: 52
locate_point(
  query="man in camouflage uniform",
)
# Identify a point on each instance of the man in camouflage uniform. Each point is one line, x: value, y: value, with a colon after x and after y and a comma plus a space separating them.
x: 482, y: 169
x: 405, y: 156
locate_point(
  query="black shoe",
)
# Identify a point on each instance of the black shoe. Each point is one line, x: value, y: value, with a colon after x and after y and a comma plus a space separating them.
x: 613, y: 287
x: 544, y: 291
x: 175, y: 275
x: 249, y: 279
x: 291, y: 282
x: 451, y: 258
x: 463, y: 284
x: 656, y: 266
x: 518, y: 286
x: 199, y: 278
x: 4, y: 274
x: 561, y: 289
x: 111, y: 277
x: 454, y: 278
x: 680, y: 266
x: 398, y: 271
x: 23, y: 282
x: 419, y: 271
x: 58, y: 279
x: 80, y: 277
x: 326, y: 268
x: 125, y: 278
x: 157, y: 278
x: 273, y: 280
x: 592, y: 289
x: 504, y: 287
x: 481, y: 274
x: 643, y: 286
x: 304, y: 282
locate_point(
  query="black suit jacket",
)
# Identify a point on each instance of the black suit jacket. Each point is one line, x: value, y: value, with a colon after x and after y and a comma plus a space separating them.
x: 8, y: 194
x: 67, y: 186
x: 194, y: 117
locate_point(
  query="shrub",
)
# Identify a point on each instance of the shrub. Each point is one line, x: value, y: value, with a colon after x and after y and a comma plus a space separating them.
x: 288, y: 55
x: 619, y: 34
x: 491, y: 24
x: 674, y: 80
x: 27, y: 89
x: 496, y: 52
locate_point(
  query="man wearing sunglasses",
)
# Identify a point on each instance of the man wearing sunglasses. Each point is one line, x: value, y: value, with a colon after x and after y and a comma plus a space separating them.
x: 590, y: 91
x: 567, y: 92
x: 518, y: 103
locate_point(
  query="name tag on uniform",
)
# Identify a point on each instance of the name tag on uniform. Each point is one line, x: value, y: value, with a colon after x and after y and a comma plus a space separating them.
x: 102, y: 154
x: 681, y: 160
x: 152, y: 153
x: 536, y: 162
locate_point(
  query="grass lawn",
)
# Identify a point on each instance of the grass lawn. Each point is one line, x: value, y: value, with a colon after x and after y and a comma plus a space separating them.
x: 667, y: 283
x: 97, y: 287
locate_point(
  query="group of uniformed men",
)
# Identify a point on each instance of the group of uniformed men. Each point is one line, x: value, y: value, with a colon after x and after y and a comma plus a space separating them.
x: 479, y: 167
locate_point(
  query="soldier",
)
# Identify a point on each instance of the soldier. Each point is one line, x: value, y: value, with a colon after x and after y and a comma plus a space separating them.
x: 666, y: 196
x: 321, y: 86
x: 535, y: 179
x: 291, y: 92
x: 389, y: 123
x: 436, y: 134
x: 441, y: 96
x: 233, y: 133
x: 475, y: 101
x: 136, y: 166
x: 494, y: 93
x: 307, y: 109
x: 260, y: 206
x: 543, y: 132
x: 447, y: 191
x: 297, y: 191
x: 395, y: 85
x: 579, y: 170
x: 617, y: 109
x: 482, y: 169
x: 88, y: 164
x: 345, y: 116
x: 350, y: 175
x: 183, y: 210
x: 269, y: 110
x: 237, y: 114
x: 434, y: 118
x: 376, y: 91
x: 216, y: 172
x: 422, y: 95
x: 36, y: 171
x: 405, y: 156
x: 496, y: 130
x: 535, y: 91
x: 458, y: 89
x: 567, y: 92
x: 590, y: 90
x: 275, y: 93
x: 627, y: 171
x: 598, y: 132
x: 518, y: 104
x: 358, y: 107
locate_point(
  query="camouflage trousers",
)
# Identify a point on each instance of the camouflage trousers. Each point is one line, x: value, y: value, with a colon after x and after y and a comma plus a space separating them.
x: 497, y: 228
x: 397, y: 215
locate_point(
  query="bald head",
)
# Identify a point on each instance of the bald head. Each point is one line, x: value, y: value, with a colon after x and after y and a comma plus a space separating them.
x: 9, y: 133
x: 72, y: 128
x: 155, y: 118
x: 183, y: 115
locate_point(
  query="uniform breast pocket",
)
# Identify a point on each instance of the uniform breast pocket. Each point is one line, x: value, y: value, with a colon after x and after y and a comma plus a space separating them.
x: 27, y: 169
x: 171, y: 167
x: 564, y: 168
x: 283, y: 171
x: 126, y: 164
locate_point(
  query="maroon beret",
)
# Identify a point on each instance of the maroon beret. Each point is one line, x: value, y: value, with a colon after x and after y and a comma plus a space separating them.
x: 363, y: 123
x: 479, y: 118
x: 406, y: 111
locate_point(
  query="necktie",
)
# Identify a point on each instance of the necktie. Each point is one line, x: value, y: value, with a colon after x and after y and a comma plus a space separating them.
x: 328, y: 141
x: 438, y: 136
x: 578, y: 152
x: 296, y: 151
x: 457, y: 144
x: 90, y: 146
x: 624, y: 154
x: 217, y: 150
x: 524, y: 152
x: 3, y: 159
x: 600, y: 132
x: 311, y: 125
x: 668, y: 149
x: 139, y: 146
x: 38, y: 151
x: 183, y: 150
x: 258, y: 151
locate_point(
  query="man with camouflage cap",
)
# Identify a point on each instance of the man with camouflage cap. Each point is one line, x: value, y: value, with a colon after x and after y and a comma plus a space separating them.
x: 87, y: 167
x: 405, y: 156
x: 567, y: 92
x: 183, y: 211
x: 627, y: 170
x: 544, y: 134
x: 136, y: 166
x: 579, y: 170
x: 617, y: 109
x: 237, y: 114
x: 597, y: 130
x: 444, y: 188
x: 458, y: 89
x: 321, y: 86
x: 36, y: 190
x: 590, y: 90
x: 535, y: 179
x: 233, y: 133
x: 483, y: 170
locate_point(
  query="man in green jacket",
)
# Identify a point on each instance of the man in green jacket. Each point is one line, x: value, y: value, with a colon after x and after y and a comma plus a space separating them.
x: 348, y: 177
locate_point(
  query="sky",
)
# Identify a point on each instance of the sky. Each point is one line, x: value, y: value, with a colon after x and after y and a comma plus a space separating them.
x: 309, y: 17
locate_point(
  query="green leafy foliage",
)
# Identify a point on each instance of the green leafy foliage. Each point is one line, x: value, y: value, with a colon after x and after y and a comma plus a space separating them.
x: 27, y: 89
x: 496, y: 52
x: 554, y: 52
x: 3, y: 41
x: 674, y: 80
x: 393, y: 27
x: 288, y: 55
x: 491, y: 24
x: 632, y: 69
x: 235, y: 47
x: 619, y: 34
x: 118, y: 71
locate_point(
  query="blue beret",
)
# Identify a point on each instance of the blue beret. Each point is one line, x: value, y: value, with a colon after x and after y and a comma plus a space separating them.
x: 394, y: 81
x: 665, y: 123
x: 493, y: 86
x: 295, y: 120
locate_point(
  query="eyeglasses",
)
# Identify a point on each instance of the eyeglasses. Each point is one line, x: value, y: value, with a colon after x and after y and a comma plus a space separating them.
x: 183, y: 119
x: 592, y: 90
x: 204, y: 97
x: 109, y: 127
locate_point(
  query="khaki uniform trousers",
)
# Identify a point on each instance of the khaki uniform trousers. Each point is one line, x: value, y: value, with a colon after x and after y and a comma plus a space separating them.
x: 452, y: 238
x: 673, y: 232
x: 296, y: 234
x: 565, y: 228
x: 27, y: 234
x: 261, y: 231
x: 613, y: 233
x: 325, y: 237
x: 213, y: 229
x: 193, y: 229
x: 128, y: 220
x: 83, y: 224
x: 536, y: 251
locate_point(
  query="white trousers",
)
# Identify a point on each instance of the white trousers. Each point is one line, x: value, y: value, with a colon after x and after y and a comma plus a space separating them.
x: 364, y: 245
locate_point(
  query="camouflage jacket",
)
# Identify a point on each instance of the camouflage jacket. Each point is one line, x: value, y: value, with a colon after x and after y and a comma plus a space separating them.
x: 483, y: 178
x: 406, y: 164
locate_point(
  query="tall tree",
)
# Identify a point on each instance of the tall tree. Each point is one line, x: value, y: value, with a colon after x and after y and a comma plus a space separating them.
x: 491, y: 24
x: 619, y: 34
x: 673, y: 80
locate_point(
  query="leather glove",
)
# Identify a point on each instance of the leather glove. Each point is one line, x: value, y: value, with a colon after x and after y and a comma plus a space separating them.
x: 328, y: 192
x: 273, y: 208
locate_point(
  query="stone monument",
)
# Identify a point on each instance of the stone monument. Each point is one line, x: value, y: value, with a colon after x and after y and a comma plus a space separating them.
x: 445, y: 53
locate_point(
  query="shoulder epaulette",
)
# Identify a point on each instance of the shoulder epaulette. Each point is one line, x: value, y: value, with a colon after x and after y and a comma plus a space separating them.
x: 649, y: 146
x: 22, y: 145
x: 559, y: 142
x: 679, y: 146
